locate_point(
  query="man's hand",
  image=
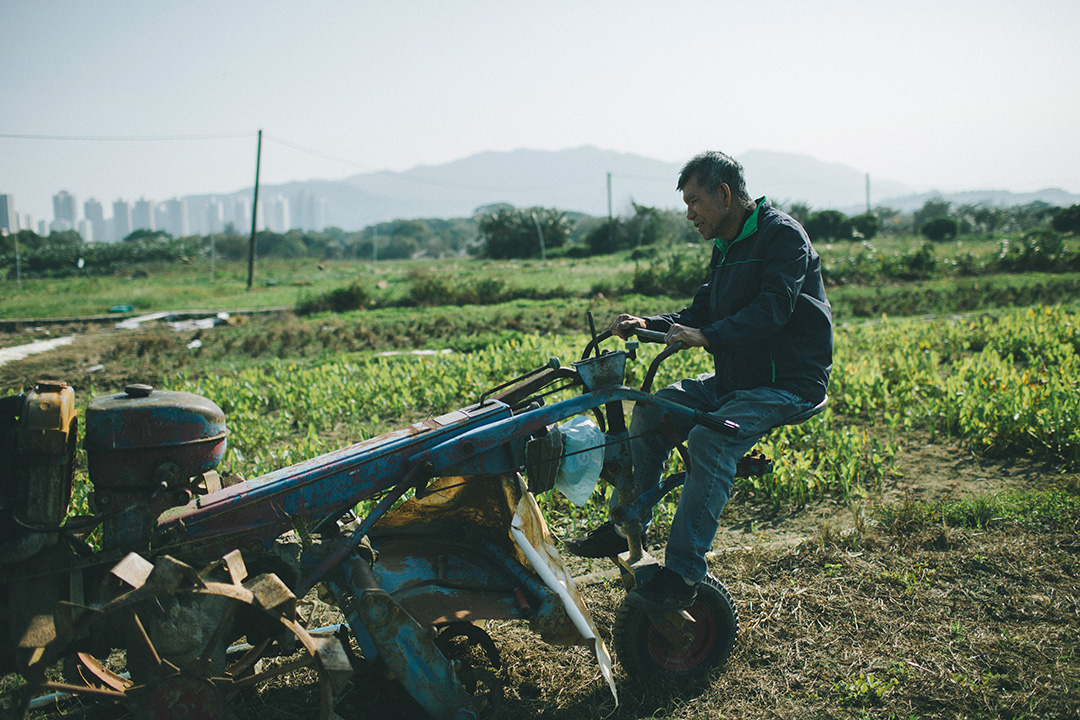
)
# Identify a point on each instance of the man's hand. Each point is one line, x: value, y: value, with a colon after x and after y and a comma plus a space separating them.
x: 623, y: 326
x: 691, y: 337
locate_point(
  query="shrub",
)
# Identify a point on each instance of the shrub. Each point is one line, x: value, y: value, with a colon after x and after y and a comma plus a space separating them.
x: 1067, y: 220
x: 940, y: 229
x: 351, y: 297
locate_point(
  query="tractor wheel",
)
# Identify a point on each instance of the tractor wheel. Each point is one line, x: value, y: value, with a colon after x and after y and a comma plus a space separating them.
x: 644, y: 651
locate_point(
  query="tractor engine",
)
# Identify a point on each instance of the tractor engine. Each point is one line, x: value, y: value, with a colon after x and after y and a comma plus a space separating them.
x: 147, y: 451
x: 38, y: 432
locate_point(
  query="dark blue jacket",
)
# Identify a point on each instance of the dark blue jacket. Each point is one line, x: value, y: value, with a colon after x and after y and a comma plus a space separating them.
x: 763, y: 310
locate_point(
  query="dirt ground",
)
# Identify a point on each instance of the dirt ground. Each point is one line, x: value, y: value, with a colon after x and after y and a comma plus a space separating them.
x: 838, y: 617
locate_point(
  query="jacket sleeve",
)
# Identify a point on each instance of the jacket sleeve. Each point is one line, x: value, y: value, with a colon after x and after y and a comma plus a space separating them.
x: 787, y: 261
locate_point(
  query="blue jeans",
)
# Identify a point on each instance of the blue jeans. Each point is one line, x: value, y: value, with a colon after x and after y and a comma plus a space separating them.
x: 713, y: 456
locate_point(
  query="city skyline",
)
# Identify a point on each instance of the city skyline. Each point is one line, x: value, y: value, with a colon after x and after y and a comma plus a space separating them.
x: 178, y: 216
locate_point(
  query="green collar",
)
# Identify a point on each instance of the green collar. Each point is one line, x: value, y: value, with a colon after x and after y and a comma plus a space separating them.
x: 748, y: 229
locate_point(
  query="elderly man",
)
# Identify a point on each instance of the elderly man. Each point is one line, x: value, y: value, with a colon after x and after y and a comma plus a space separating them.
x: 763, y: 316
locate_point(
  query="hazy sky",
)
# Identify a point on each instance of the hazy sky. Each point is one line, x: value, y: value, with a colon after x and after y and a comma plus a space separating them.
x: 939, y: 94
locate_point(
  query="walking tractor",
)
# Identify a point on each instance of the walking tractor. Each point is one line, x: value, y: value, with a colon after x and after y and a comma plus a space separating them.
x: 188, y: 593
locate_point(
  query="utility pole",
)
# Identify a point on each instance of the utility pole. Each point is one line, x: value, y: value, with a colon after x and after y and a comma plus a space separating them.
x: 254, y: 215
x: 540, y: 234
x: 867, y: 193
x: 610, y: 225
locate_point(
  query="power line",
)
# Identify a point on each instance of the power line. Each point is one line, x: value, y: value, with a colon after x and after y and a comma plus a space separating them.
x: 124, y: 138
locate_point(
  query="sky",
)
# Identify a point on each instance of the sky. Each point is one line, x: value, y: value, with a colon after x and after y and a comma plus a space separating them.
x: 116, y: 99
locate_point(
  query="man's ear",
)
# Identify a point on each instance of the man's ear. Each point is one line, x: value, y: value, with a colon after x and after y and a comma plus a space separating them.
x: 723, y: 193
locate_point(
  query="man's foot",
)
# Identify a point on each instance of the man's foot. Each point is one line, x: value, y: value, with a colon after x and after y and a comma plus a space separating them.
x: 666, y: 590
x: 603, y: 541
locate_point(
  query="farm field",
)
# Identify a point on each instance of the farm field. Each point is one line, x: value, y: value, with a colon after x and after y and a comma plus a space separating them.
x: 914, y: 554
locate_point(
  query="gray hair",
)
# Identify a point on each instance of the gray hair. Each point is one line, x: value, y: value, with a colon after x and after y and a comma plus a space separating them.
x: 713, y: 168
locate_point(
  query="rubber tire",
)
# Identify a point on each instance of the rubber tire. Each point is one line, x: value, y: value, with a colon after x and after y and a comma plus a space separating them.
x: 644, y: 652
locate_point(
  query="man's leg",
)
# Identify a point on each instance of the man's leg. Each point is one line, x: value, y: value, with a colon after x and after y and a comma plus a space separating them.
x: 650, y: 444
x: 713, y: 457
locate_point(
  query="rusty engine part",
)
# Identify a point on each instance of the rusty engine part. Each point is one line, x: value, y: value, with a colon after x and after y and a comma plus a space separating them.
x: 38, y: 439
x: 143, y: 449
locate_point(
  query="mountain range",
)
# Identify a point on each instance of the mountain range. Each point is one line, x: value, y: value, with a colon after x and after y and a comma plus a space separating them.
x: 576, y: 180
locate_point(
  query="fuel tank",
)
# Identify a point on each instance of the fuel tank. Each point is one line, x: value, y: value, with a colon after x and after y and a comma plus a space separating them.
x: 144, y: 439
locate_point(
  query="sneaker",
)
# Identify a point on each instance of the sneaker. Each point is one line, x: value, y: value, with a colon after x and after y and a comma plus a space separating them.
x: 603, y: 541
x: 666, y: 590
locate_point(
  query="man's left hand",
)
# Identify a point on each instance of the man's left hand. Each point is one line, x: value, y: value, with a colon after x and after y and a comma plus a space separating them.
x: 691, y: 337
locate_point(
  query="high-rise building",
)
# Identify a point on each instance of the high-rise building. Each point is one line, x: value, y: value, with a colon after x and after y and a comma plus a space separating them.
x: 310, y: 212
x: 238, y: 214
x: 176, y: 217
x: 142, y: 215
x: 8, y: 220
x: 64, y: 211
x: 215, y: 216
x: 277, y: 214
x: 95, y: 215
x: 121, y: 210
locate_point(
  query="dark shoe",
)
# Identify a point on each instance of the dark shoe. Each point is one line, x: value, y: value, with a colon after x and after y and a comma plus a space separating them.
x: 600, y: 542
x: 665, y: 590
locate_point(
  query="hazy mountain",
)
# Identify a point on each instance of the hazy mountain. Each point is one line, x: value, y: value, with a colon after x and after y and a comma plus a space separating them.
x: 577, y: 180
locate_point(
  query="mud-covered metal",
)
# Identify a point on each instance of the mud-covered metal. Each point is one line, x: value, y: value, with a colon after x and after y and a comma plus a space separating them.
x: 143, y: 438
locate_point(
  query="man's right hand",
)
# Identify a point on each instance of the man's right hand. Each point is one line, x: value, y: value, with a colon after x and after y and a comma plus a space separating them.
x: 624, y: 325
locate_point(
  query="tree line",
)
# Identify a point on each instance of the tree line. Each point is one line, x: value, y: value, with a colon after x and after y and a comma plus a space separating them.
x: 504, y: 232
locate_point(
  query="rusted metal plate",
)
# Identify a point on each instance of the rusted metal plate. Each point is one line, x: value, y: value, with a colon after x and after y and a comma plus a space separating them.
x: 134, y: 569
x: 273, y: 595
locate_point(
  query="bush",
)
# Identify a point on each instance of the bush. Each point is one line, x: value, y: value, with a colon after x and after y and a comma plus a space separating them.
x: 1038, y: 250
x: 1067, y: 220
x: 940, y: 229
x: 679, y: 275
x: 828, y: 225
x: 339, y: 300
x: 865, y: 226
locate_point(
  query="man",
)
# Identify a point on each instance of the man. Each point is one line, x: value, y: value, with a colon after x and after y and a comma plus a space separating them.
x: 763, y: 315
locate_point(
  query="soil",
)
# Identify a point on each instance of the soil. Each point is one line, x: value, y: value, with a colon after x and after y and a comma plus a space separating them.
x: 838, y: 617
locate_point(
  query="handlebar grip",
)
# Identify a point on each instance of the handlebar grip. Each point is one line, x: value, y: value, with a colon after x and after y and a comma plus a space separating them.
x: 727, y: 427
x: 652, y: 336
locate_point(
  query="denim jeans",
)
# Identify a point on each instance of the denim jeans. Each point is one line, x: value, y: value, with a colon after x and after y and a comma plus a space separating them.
x: 713, y: 456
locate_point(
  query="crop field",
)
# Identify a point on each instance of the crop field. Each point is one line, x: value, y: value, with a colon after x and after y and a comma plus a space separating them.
x: 913, y: 553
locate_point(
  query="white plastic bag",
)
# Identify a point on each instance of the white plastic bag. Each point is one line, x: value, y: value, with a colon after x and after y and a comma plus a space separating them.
x: 579, y: 471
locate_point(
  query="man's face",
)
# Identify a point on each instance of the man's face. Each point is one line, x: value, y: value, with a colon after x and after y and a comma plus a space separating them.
x: 706, y: 210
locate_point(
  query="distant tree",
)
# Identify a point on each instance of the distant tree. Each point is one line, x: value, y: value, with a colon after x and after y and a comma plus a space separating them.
x: 888, y: 219
x: 935, y: 207
x: 1032, y: 216
x: 979, y: 218
x: 940, y: 228
x: 1067, y: 220
x: 144, y: 234
x: 866, y: 225
x: 512, y: 233
x: 828, y: 225
x: 800, y: 211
